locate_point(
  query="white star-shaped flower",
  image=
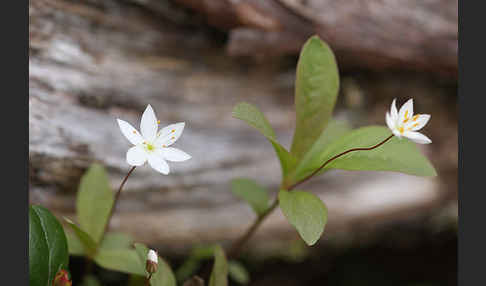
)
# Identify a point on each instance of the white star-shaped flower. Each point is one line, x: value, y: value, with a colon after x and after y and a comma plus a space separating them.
x: 404, y: 123
x: 153, y: 146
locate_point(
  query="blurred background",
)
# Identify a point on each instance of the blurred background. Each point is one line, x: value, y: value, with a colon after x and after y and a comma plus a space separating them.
x: 93, y: 61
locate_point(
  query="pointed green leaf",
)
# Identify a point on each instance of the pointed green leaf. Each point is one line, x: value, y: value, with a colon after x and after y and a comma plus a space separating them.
x: 219, y: 275
x: 335, y: 130
x: 316, y: 90
x: 306, y: 212
x: 48, y: 249
x: 94, y: 201
x: 255, y: 118
x: 88, y: 243
x: 397, y: 155
x: 251, y: 192
x: 164, y: 275
x: 238, y: 272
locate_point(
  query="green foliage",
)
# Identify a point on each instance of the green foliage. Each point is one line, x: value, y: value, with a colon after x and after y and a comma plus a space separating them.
x: 255, y: 118
x: 398, y: 154
x: 123, y: 260
x: 163, y: 276
x: 94, y: 202
x: 238, y: 272
x: 306, y: 212
x: 48, y: 249
x: 252, y: 192
x: 194, y: 261
x: 334, y: 131
x: 89, y: 245
x: 316, y: 90
x: 219, y: 275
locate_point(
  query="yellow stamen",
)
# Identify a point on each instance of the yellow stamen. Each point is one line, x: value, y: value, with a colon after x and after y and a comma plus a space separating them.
x: 164, y: 145
x: 415, y: 117
x: 158, y: 121
x: 405, y: 121
x: 172, y: 138
x: 406, y: 114
x: 401, y: 130
x: 173, y: 130
x: 134, y: 132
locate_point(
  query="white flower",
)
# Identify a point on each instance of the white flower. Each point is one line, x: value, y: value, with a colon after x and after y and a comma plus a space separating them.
x: 153, y: 146
x: 405, y: 124
x: 152, y: 256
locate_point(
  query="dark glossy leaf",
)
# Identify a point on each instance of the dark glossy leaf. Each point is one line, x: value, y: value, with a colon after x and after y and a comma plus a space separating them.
x: 48, y: 249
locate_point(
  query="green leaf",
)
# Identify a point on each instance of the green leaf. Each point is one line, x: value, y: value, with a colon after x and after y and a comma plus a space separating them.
x: 94, y: 202
x: 116, y: 240
x: 219, y: 275
x: 306, y: 212
x: 238, y: 272
x: 316, y: 90
x: 48, y: 249
x: 398, y: 154
x: 88, y: 243
x: 164, y: 275
x: 255, y: 118
x: 193, y: 262
x: 75, y: 246
x: 123, y: 260
x: 251, y: 192
x: 335, y: 130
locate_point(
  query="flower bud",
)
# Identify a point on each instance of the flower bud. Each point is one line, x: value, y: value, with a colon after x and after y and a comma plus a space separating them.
x: 62, y: 279
x: 152, y: 262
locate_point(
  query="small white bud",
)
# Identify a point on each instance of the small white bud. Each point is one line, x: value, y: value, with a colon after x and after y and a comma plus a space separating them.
x: 152, y: 261
x: 152, y: 256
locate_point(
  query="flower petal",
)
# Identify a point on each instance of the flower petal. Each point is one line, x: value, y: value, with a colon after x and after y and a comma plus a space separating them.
x: 169, y: 134
x: 136, y: 156
x: 417, y: 122
x: 406, y: 111
x: 130, y: 133
x: 174, y: 154
x: 157, y: 162
x: 148, y: 124
x: 393, y: 111
x: 417, y: 137
x: 390, y: 122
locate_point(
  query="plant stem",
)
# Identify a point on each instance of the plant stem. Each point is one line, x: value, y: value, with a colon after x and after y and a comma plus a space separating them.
x: 147, y: 282
x: 117, y: 196
x: 237, y: 246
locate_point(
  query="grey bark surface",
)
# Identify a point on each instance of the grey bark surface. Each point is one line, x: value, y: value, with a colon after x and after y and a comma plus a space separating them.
x: 95, y: 61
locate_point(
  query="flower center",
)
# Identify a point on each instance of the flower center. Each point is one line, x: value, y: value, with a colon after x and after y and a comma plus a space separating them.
x: 150, y: 147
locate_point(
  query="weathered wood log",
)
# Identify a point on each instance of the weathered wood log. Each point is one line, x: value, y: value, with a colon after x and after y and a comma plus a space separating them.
x: 418, y: 35
x: 96, y: 61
